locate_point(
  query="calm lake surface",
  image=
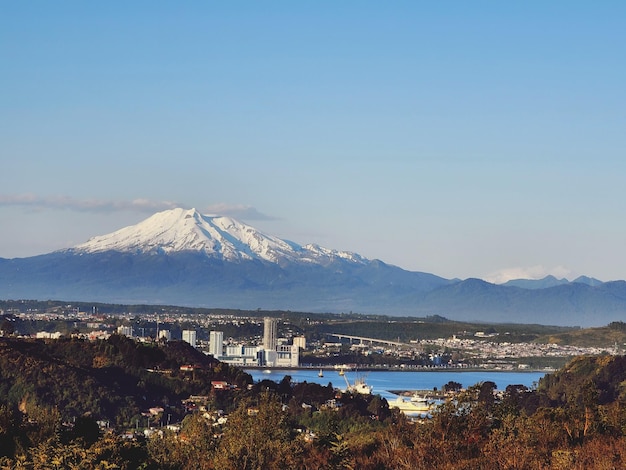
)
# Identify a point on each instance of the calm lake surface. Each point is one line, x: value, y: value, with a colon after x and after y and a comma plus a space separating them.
x: 386, y: 381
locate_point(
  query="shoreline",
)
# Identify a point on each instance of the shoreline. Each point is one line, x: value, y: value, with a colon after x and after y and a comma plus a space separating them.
x: 546, y: 370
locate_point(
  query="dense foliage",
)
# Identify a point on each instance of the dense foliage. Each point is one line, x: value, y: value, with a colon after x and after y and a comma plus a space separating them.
x: 575, y: 419
x: 112, y: 380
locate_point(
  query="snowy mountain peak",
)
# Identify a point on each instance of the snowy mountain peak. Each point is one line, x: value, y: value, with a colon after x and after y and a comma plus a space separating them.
x: 220, y: 237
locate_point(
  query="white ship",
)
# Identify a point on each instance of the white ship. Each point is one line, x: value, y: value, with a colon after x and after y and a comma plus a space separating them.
x: 359, y: 386
x: 411, y: 406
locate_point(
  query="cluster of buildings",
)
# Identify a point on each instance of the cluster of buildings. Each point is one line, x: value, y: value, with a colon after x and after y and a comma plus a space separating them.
x: 505, y: 350
x: 272, y: 353
x: 253, y: 341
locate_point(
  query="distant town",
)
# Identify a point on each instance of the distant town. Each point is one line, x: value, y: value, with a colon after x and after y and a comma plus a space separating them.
x: 256, y: 339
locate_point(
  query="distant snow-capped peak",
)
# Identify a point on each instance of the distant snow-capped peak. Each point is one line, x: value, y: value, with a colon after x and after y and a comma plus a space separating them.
x: 179, y: 230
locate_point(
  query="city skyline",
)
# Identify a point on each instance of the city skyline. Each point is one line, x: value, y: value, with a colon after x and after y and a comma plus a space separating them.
x: 465, y: 140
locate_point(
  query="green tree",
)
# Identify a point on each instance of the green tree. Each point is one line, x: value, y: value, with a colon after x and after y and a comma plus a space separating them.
x: 192, y: 448
x: 7, y: 327
x: 452, y: 386
x: 258, y: 438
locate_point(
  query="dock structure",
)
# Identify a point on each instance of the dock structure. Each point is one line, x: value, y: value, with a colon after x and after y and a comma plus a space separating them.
x: 362, y: 339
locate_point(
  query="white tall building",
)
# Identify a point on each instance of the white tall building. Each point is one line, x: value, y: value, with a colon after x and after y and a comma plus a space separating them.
x: 216, y: 343
x: 270, y: 333
x: 165, y: 334
x: 300, y: 341
x: 189, y: 336
x: 125, y: 330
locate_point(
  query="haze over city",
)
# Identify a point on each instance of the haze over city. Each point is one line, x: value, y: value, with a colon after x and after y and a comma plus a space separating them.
x: 463, y: 139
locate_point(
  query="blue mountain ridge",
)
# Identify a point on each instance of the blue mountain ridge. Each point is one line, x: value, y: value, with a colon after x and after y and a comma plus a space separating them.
x: 190, y: 279
x: 182, y: 257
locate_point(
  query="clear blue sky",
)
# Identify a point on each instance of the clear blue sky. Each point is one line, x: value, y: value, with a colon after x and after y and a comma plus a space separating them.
x: 466, y: 139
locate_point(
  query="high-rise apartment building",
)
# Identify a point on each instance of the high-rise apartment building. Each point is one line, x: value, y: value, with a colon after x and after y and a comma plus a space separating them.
x: 166, y: 334
x: 300, y: 341
x: 216, y: 343
x: 189, y: 336
x: 125, y: 330
x: 270, y: 333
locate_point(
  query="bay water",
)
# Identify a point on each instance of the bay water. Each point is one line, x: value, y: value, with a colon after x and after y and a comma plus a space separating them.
x: 386, y: 382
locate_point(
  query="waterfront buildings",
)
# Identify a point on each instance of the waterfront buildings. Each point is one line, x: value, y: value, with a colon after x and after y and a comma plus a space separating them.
x: 285, y: 355
x: 270, y: 354
x: 243, y: 356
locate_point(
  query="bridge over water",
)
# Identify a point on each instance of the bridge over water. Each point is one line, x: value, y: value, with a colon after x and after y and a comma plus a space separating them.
x: 363, y: 339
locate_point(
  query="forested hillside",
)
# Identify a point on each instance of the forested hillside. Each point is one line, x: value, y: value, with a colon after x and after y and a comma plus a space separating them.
x: 112, y: 380
x: 53, y: 392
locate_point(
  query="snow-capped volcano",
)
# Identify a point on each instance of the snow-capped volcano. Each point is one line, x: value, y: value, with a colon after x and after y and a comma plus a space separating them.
x: 181, y: 257
x: 180, y: 230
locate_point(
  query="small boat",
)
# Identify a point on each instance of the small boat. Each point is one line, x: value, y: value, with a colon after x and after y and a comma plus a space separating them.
x: 341, y: 372
x: 320, y: 373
